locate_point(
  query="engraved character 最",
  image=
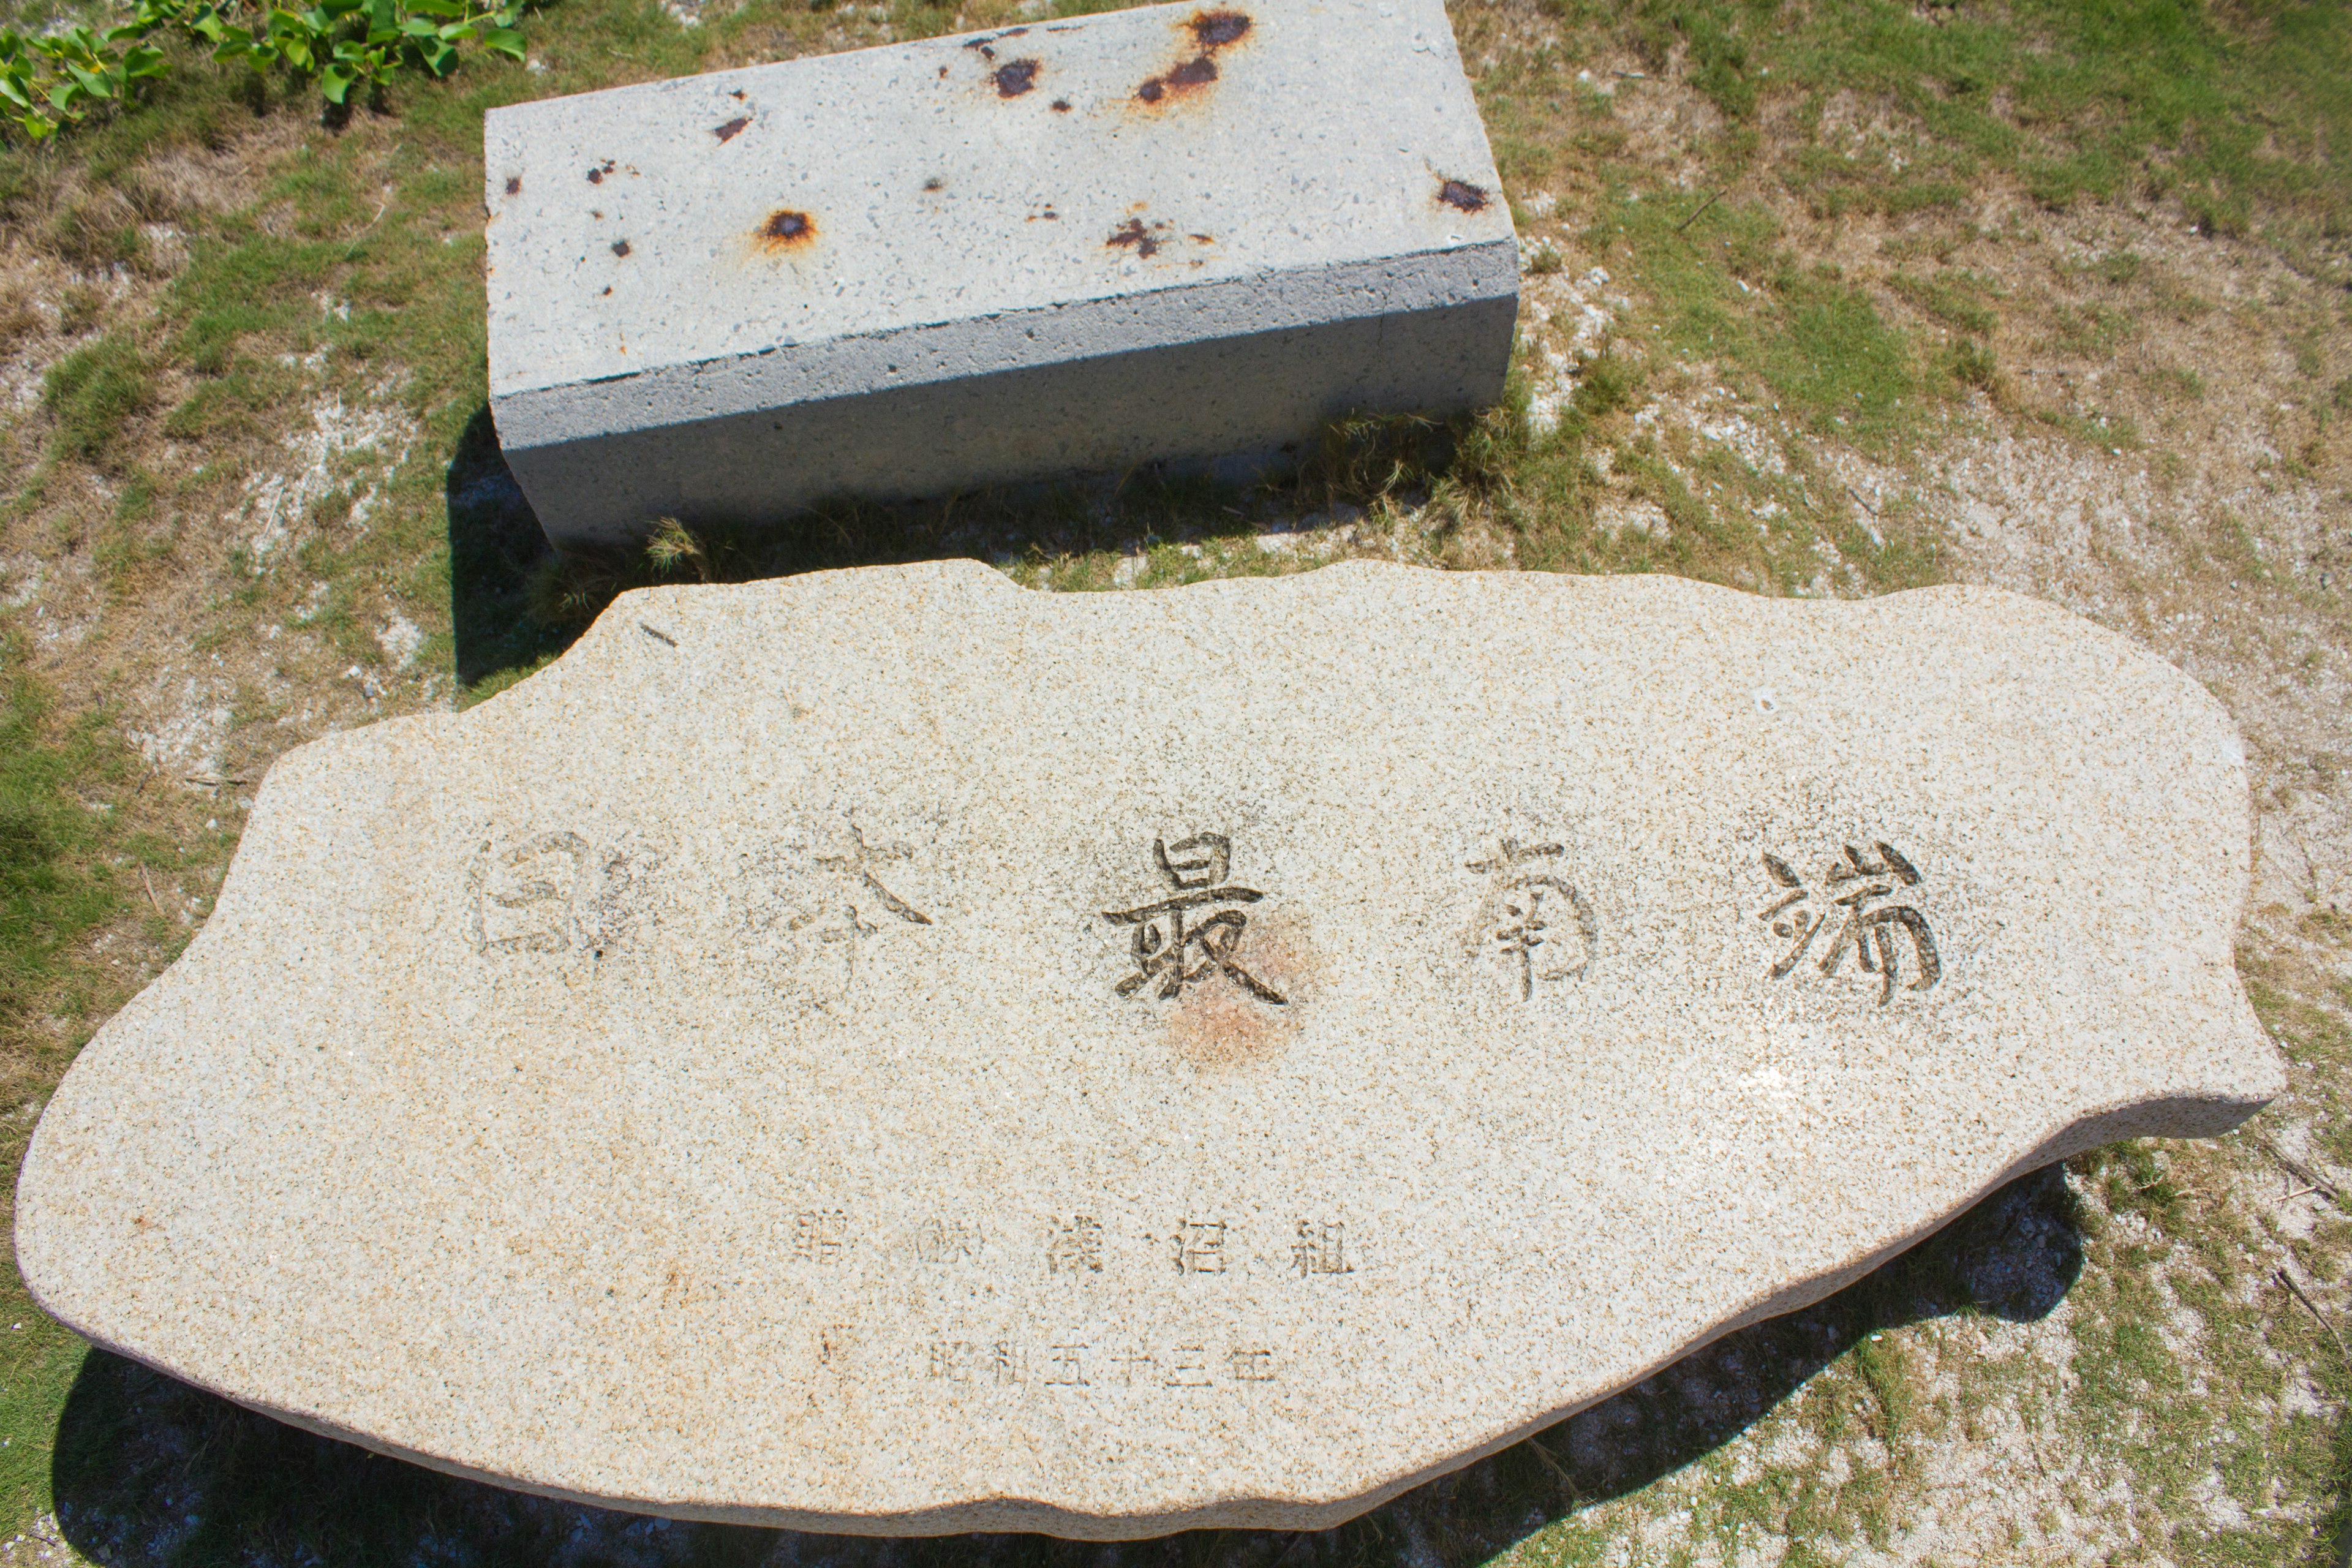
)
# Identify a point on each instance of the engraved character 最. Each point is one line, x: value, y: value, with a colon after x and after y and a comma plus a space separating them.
x: 1875, y: 935
x: 1250, y: 1365
x: 1172, y: 948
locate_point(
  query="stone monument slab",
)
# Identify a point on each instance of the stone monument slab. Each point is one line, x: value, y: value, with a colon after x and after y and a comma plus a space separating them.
x: 1176, y: 232
x: 892, y: 1051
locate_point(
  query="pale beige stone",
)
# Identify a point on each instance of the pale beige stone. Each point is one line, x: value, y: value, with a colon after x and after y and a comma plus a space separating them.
x: 706, y: 1079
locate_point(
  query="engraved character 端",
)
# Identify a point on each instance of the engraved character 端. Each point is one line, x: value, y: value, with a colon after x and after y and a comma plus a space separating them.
x: 1875, y: 935
x: 1321, y: 1249
x: 1073, y: 1248
x: 1529, y: 906
x: 1165, y: 942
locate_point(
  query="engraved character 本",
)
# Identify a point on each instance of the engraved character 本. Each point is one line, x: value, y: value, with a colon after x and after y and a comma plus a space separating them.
x: 811, y: 912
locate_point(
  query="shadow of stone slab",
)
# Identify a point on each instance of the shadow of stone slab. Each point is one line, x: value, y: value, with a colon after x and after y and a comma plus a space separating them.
x: 150, y: 1471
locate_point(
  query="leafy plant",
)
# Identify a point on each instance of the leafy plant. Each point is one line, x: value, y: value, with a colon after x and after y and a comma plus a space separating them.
x: 52, y: 79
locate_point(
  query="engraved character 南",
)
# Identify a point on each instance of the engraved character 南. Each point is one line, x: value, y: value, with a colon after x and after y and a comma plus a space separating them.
x: 1166, y: 942
x: 1530, y: 906
x: 1066, y: 1365
x: 1854, y: 884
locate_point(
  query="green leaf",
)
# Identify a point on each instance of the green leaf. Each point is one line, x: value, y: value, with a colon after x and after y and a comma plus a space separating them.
x: 505, y: 40
x: 336, y: 83
x: 145, y: 62
x: 447, y: 8
x: 92, y: 83
x: 456, y: 32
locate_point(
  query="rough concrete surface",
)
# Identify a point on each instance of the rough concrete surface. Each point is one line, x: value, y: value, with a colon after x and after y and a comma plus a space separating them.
x: 1177, y: 232
x: 892, y: 1051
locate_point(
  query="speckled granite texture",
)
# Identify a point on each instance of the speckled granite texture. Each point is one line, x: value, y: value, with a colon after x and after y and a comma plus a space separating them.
x: 891, y: 1051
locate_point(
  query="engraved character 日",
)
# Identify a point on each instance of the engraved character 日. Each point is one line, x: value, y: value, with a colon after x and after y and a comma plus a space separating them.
x: 1164, y: 943
x: 1872, y: 933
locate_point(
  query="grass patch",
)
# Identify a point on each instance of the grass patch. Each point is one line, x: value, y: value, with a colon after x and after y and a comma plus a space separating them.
x: 2239, y: 113
x: 94, y: 393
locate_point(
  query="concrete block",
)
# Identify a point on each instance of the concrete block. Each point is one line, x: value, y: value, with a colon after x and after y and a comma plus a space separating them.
x: 1175, y: 232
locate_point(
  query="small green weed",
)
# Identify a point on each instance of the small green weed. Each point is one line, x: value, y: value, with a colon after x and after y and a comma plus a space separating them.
x: 94, y: 392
